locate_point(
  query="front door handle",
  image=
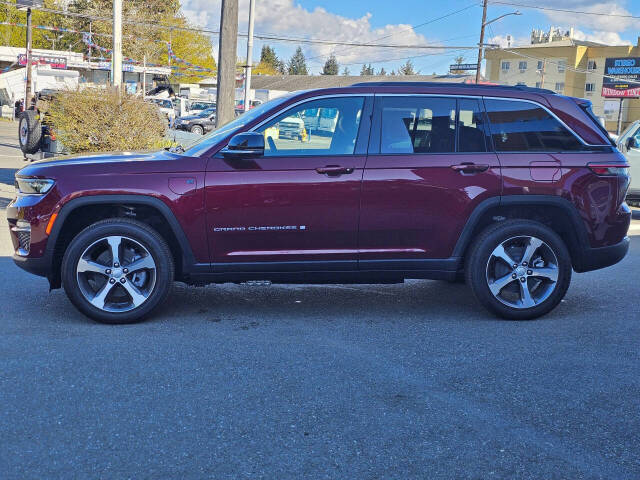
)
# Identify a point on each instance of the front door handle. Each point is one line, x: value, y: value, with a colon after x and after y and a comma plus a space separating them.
x: 334, y: 170
x: 468, y: 168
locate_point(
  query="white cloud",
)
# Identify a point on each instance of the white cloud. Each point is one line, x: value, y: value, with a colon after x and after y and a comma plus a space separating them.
x: 608, y: 38
x: 287, y: 18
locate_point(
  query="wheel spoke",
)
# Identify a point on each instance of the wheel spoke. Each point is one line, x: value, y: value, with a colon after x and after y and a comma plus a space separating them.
x: 534, y: 244
x: 114, y: 247
x: 525, y: 296
x: 499, y: 283
x: 502, y: 254
x: 142, y: 263
x: 100, y: 298
x: 550, y: 273
x: 90, y: 266
x: 137, y: 297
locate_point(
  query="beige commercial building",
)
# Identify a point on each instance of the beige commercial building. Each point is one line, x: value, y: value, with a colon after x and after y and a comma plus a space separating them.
x: 557, y: 61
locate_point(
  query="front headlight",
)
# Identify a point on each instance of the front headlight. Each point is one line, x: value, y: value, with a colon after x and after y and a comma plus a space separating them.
x: 34, y: 186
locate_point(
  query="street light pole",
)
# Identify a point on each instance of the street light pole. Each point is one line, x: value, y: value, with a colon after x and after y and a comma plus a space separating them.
x: 481, y: 44
x: 247, y: 75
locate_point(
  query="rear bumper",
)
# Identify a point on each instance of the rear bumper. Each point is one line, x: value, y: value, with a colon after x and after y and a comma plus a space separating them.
x: 601, y: 257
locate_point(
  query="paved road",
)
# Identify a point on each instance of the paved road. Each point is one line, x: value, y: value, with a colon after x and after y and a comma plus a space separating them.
x: 354, y: 382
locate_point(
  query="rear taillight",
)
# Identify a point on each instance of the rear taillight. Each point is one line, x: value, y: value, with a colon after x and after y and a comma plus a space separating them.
x: 608, y: 169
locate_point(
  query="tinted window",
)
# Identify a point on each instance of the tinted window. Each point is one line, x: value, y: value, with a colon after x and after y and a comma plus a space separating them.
x: 522, y: 126
x: 417, y: 125
x: 291, y: 133
x: 471, y: 126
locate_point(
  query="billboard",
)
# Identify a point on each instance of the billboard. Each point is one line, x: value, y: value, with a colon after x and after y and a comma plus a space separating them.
x: 622, y: 77
x: 53, y: 62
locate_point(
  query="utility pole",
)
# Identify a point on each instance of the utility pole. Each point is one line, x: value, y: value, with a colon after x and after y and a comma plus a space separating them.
x: 619, y: 127
x: 28, y: 92
x: 227, y: 54
x: 480, y: 45
x: 247, y: 76
x: 144, y: 76
x: 542, y: 72
x: 116, y: 54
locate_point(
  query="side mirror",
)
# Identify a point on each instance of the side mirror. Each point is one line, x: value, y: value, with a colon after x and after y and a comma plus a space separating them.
x: 245, y: 145
x: 631, y: 143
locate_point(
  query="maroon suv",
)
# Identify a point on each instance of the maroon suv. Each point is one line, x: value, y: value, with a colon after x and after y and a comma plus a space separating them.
x: 509, y: 188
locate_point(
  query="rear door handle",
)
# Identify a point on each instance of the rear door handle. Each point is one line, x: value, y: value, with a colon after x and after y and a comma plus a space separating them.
x: 470, y: 168
x: 334, y: 170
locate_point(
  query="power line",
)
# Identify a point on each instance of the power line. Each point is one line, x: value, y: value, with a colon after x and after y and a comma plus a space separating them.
x: 257, y: 35
x: 408, y: 29
x: 563, y: 10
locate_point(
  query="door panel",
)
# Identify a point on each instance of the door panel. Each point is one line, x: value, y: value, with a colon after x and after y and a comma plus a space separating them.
x: 418, y: 193
x: 299, y: 204
x: 416, y: 207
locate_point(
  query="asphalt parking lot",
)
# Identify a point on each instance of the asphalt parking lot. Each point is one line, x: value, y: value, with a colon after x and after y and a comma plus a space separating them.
x: 342, y: 382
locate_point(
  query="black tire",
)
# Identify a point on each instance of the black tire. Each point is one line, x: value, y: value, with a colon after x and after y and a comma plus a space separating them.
x: 29, y: 131
x: 140, y: 233
x: 480, y: 253
x: 197, y: 129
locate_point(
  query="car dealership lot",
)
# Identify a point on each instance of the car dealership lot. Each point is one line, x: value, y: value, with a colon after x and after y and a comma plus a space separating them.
x: 385, y: 381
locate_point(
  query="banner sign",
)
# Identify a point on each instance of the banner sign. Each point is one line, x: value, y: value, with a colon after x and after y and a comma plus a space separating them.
x: 622, y: 78
x: 54, y: 62
x: 463, y: 66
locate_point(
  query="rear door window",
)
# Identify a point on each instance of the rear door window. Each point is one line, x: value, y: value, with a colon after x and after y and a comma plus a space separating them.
x: 417, y: 125
x: 523, y: 127
x: 471, y: 126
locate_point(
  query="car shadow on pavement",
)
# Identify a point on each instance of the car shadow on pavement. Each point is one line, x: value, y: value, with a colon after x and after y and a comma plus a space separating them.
x: 635, y: 214
x: 4, y: 202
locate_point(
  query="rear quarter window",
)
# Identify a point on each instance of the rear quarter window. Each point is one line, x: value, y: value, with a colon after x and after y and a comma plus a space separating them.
x: 518, y: 126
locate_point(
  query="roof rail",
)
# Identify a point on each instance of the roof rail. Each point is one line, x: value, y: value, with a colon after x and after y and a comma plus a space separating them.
x: 452, y: 84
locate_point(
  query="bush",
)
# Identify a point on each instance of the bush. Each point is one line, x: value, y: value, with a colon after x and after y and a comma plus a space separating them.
x: 100, y: 120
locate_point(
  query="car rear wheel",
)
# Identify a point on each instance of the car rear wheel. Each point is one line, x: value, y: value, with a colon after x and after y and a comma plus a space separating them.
x: 117, y: 271
x: 197, y: 129
x: 519, y: 269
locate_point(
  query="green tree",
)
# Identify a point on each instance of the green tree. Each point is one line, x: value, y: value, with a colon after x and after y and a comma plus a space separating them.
x: 382, y: 71
x: 298, y: 64
x: 407, y: 68
x: 331, y: 66
x: 346, y: 71
x: 366, y: 69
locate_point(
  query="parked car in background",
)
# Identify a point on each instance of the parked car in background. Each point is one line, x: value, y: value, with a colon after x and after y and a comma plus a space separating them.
x: 166, y: 107
x: 629, y: 144
x: 201, y: 123
x: 511, y: 187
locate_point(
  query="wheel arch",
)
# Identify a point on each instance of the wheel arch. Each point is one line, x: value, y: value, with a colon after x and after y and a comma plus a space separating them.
x: 81, y: 212
x: 556, y: 212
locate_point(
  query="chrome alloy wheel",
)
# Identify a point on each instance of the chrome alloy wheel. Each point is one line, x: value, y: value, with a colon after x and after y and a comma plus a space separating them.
x: 116, y: 274
x: 522, y: 272
x: 24, y: 131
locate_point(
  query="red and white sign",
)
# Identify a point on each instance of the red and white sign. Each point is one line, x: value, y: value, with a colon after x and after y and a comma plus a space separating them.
x: 54, y: 62
x: 621, y: 93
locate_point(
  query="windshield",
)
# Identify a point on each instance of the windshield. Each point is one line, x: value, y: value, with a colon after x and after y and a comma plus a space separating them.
x: 207, y: 112
x: 217, y: 134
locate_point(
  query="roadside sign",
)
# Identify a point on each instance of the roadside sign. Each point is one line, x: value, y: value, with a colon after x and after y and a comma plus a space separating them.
x: 622, y: 78
x: 28, y: 3
x: 54, y: 62
x: 463, y: 66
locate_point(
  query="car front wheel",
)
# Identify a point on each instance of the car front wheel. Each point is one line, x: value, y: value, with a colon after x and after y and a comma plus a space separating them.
x: 117, y: 271
x: 197, y: 129
x: 519, y: 269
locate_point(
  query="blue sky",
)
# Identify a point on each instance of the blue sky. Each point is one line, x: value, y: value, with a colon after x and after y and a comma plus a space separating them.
x: 368, y: 21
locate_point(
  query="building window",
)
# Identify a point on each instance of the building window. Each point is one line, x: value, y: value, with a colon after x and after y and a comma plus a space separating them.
x: 506, y: 66
x: 559, y: 86
x: 590, y: 87
x: 540, y: 64
x: 538, y: 84
x: 522, y: 66
x: 522, y: 84
x: 562, y: 66
x: 591, y: 65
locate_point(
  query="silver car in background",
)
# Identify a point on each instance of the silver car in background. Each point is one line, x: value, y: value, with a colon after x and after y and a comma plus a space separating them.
x: 629, y: 144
